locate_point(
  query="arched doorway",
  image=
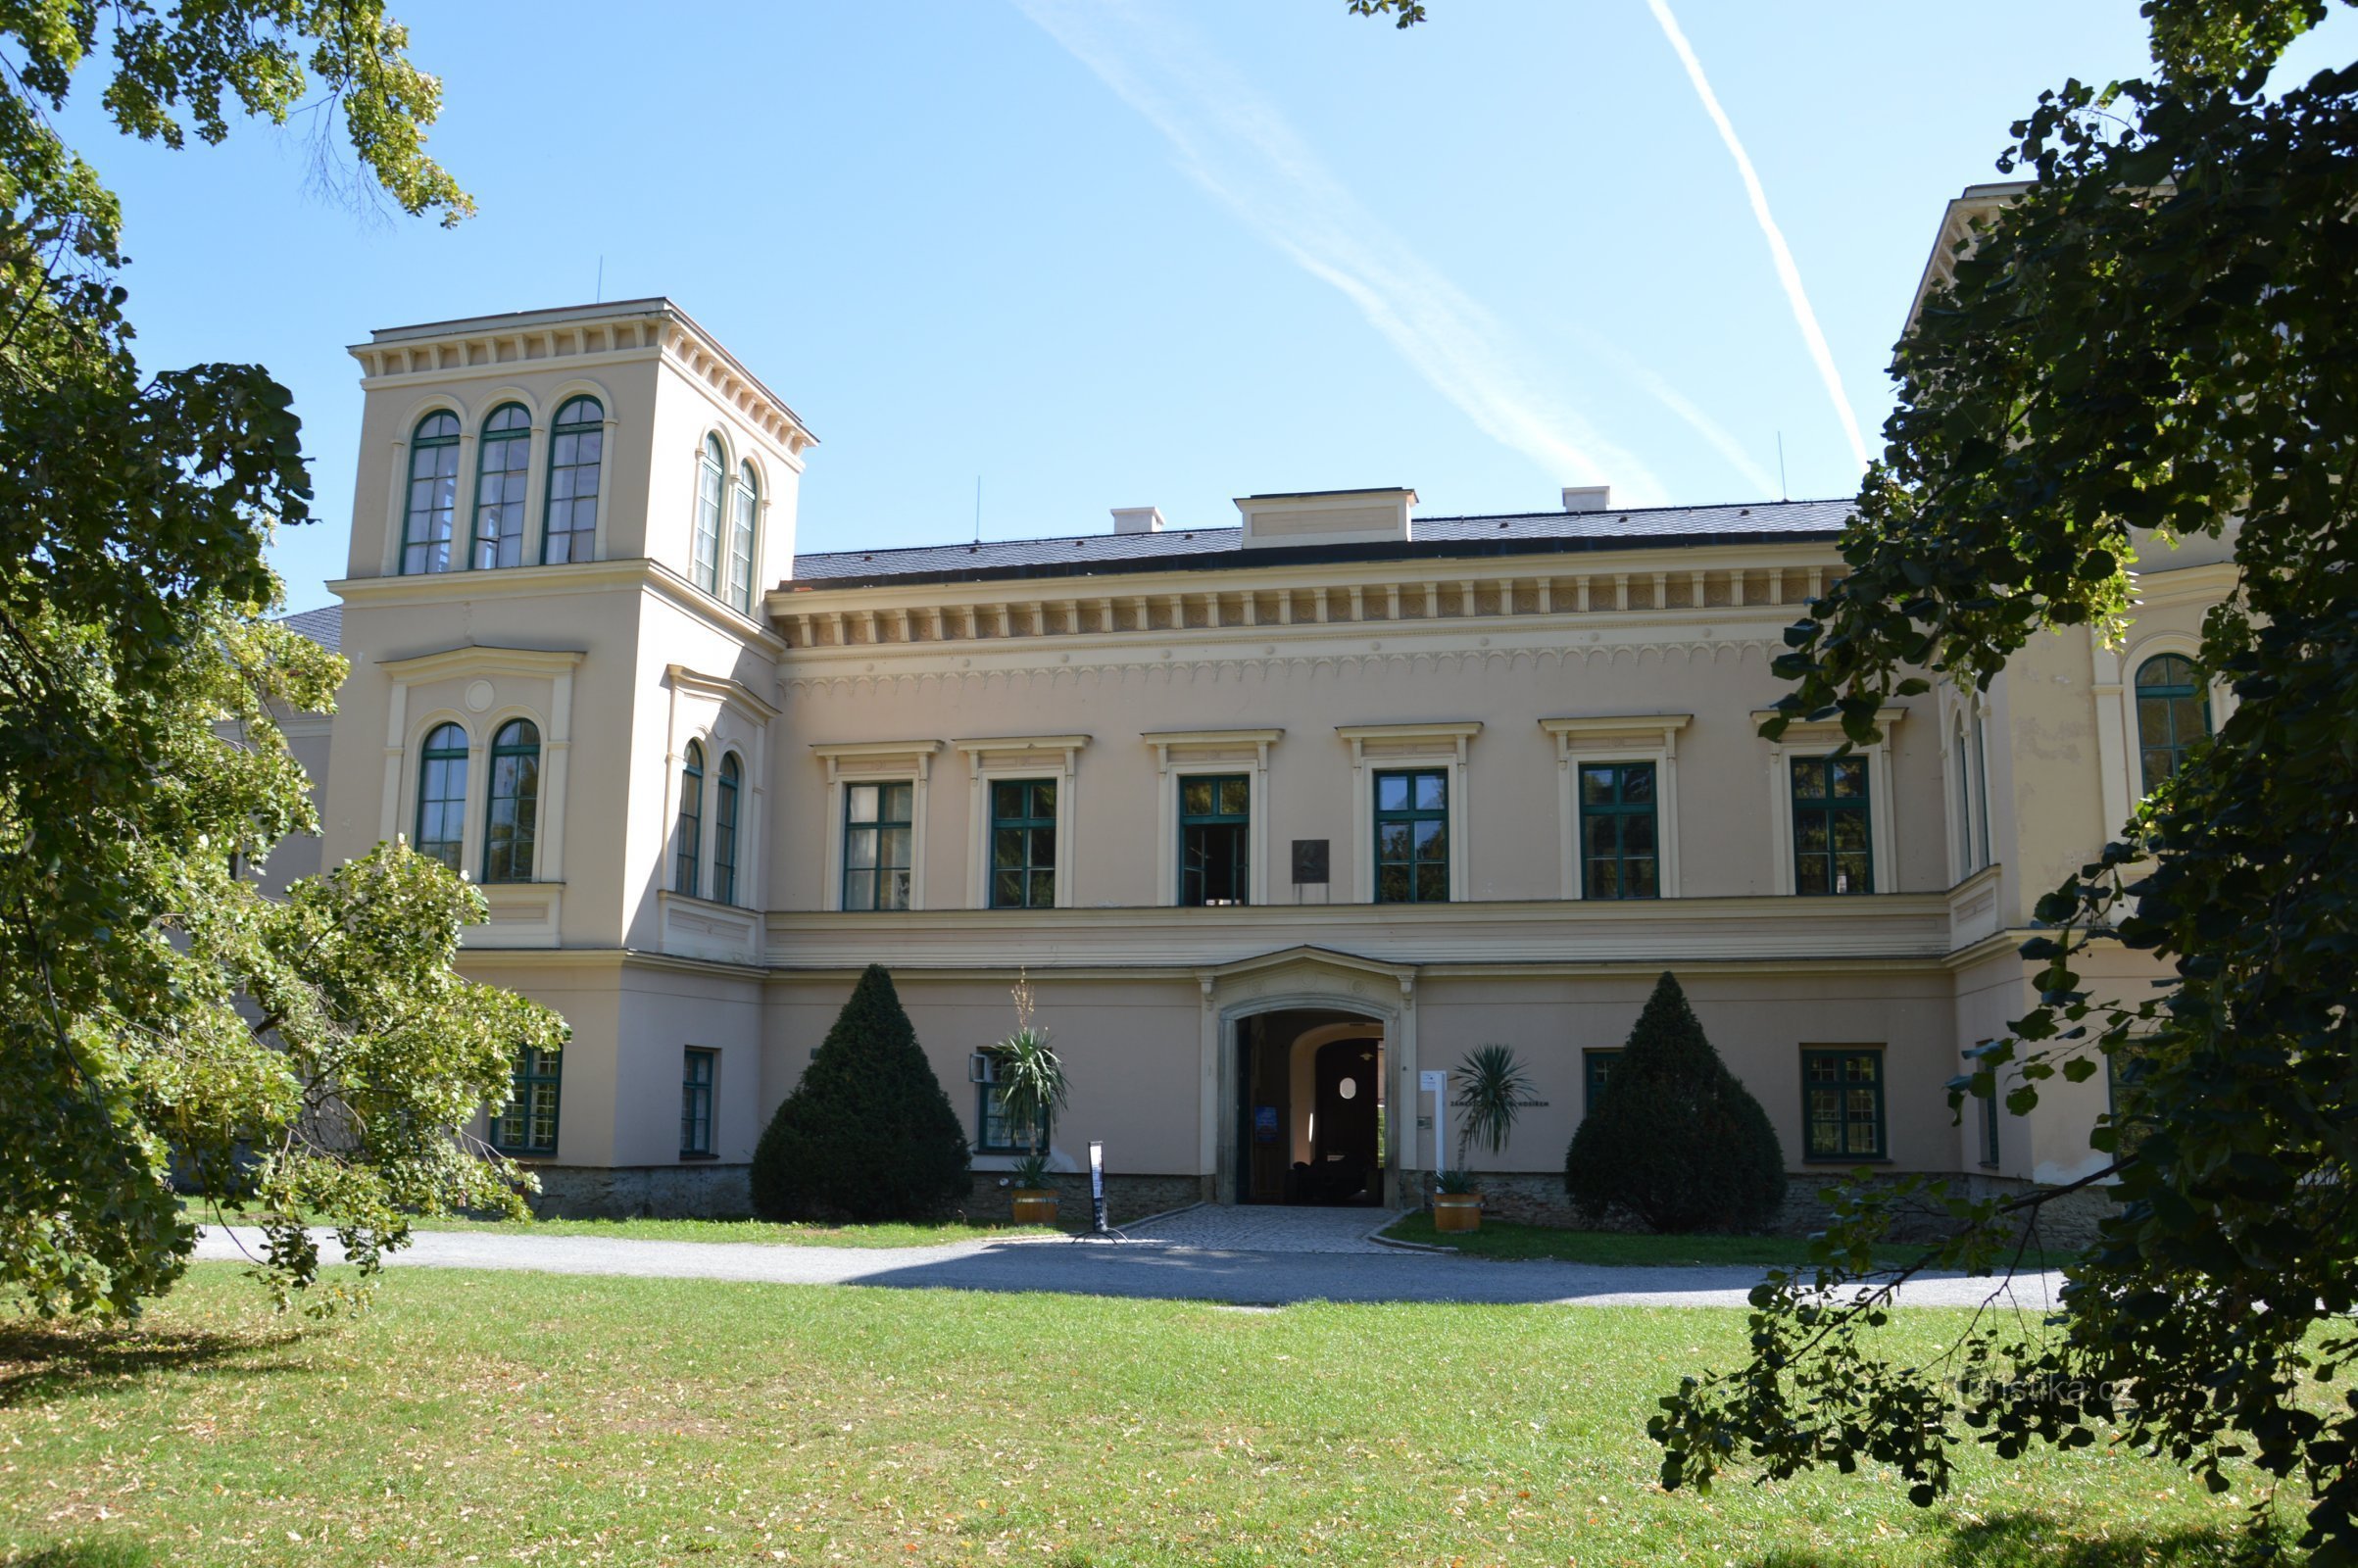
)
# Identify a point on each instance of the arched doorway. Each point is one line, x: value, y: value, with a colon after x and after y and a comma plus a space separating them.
x: 1311, y: 1109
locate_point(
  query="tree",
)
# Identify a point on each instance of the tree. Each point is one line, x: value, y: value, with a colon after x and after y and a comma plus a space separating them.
x: 315, y: 1057
x: 2150, y: 343
x: 1675, y: 1139
x: 867, y: 1132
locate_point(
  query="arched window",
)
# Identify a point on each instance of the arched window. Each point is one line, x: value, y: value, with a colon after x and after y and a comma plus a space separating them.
x: 725, y: 830
x: 687, y: 845
x: 502, y: 458
x: 576, y: 443
x: 442, y: 795
x: 512, y: 822
x: 741, y: 538
x: 429, y: 514
x: 712, y: 479
x: 2172, y: 712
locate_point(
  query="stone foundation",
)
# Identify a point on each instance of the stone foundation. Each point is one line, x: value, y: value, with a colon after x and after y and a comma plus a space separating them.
x: 641, y: 1191
x: 1127, y: 1198
x: 2067, y: 1224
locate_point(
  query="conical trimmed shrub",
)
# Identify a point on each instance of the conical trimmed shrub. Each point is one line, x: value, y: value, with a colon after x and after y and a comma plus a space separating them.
x: 1674, y: 1138
x: 867, y: 1133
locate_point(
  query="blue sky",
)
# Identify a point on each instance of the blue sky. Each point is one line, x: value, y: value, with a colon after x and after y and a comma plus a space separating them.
x: 1164, y: 253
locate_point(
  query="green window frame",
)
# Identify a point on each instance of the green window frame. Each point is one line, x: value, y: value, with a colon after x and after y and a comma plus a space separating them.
x: 746, y: 507
x: 995, y: 1134
x: 2172, y: 712
x: 569, y: 526
x: 503, y: 463
x: 442, y: 795
x: 1992, y: 1109
x: 526, y: 1126
x: 1596, y: 1071
x: 725, y: 829
x: 512, y: 815
x: 430, y: 509
x: 699, y: 1071
x: 1620, y: 845
x: 1834, y: 835
x: 1843, y: 1104
x: 1412, y: 836
x: 687, y: 843
x: 712, y: 483
x: 1216, y: 839
x: 878, y: 841
x: 1024, y: 844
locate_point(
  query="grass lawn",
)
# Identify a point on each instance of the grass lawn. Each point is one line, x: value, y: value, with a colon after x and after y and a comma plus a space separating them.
x: 520, y: 1418
x: 717, y: 1230
x: 1504, y: 1238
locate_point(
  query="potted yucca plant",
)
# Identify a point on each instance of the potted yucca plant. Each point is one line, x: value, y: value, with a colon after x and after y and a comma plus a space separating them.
x: 1029, y: 1077
x: 1492, y: 1088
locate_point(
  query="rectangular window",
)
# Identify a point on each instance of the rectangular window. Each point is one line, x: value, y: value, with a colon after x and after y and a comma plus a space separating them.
x: 1843, y: 1104
x: 1412, y: 837
x: 696, y: 1102
x: 995, y: 1134
x: 1617, y: 847
x: 1024, y: 844
x: 1990, y: 1111
x: 876, y: 845
x: 1595, y: 1070
x: 1832, y: 846
x: 1215, y: 817
x: 527, y: 1124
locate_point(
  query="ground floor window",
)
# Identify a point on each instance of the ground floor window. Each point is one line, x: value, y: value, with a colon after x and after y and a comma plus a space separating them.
x: 1843, y: 1104
x: 1595, y: 1070
x: 1989, y: 1116
x: 996, y: 1132
x: 527, y: 1123
x: 696, y: 1102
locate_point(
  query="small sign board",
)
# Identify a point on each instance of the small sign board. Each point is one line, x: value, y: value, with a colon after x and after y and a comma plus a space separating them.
x: 1310, y: 860
x: 1265, y: 1124
x: 1429, y: 1082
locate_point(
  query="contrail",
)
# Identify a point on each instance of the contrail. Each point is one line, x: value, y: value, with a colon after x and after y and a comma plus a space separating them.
x: 1240, y: 149
x: 1787, y: 273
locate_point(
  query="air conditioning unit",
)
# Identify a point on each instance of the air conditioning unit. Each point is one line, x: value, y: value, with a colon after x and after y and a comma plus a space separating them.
x: 982, y: 1068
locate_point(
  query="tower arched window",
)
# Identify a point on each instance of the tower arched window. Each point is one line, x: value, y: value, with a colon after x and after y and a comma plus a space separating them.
x: 442, y: 795
x: 2172, y: 712
x: 725, y: 829
x: 503, y: 459
x: 688, y: 836
x: 742, y: 518
x: 576, y: 448
x: 511, y: 821
x: 712, y: 480
x: 430, y: 508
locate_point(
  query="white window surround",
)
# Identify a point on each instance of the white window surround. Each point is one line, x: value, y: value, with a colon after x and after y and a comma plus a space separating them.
x: 1620, y: 738
x: 1012, y: 756
x: 536, y: 483
x: 876, y: 762
x: 2117, y: 750
x: 1182, y: 754
x: 1817, y: 736
x: 1390, y: 748
x: 726, y: 716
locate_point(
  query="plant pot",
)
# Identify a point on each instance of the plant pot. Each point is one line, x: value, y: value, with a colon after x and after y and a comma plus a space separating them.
x: 1035, y: 1206
x: 1456, y: 1211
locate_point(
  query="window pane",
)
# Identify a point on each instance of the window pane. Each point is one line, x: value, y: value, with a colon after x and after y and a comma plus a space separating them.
x: 860, y: 803
x: 1391, y: 841
x: 1008, y: 890
x: 896, y: 802
x: 1809, y: 832
x: 1391, y: 885
x: 1638, y: 835
x: 1043, y: 890
x: 1007, y: 848
x: 1601, y: 833
x: 1604, y: 879
x: 1236, y: 797
x: 860, y: 849
x: 1813, y: 875
x: 1595, y: 784
x: 896, y: 848
x: 1432, y: 791
x: 1392, y: 792
x: 1044, y: 847
x: 1639, y: 879
x: 1007, y: 799
x: 1850, y: 830
x: 1432, y: 841
x: 1809, y: 775
x: 1196, y: 796
x: 1432, y: 884
x: 1850, y: 777
x: 860, y: 890
x: 1638, y: 784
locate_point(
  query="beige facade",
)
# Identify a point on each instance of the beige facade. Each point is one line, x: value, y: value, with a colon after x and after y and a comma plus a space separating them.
x: 913, y: 740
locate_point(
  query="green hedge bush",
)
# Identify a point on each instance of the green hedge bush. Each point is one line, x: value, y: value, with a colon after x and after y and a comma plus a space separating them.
x: 1675, y: 1139
x: 867, y: 1133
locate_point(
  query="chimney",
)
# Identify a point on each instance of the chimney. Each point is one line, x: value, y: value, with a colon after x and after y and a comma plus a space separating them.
x: 1588, y: 497
x: 1138, y: 519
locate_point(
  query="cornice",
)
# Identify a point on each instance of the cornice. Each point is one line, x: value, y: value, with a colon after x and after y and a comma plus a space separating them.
x: 1465, y: 729
x: 723, y: 689
x: 2211, y: 583
x: 831, y: 750
x: 483, y: 659
x: 1826, y: 724
x: 1617, y: 724
x: 577, y: 577
x: 1021, y: 743
x: 1211, y: 737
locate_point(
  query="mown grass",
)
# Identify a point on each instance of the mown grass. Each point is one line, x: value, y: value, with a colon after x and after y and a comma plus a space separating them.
x: 1618, y: 1248
x: 937, y: 1234
x: 525, y: 1418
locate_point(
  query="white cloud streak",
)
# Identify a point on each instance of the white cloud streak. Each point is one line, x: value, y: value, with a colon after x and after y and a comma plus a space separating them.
x: 1787, y: 273
x: 1240, y: 149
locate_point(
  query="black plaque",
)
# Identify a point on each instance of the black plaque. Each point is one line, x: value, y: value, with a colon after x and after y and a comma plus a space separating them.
x: 1310, y: 860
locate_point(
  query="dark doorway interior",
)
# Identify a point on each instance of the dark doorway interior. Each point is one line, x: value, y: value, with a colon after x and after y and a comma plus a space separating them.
x: 1309, y: 1108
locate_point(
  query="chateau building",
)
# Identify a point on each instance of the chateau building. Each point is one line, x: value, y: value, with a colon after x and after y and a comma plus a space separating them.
x: 1273, y: 814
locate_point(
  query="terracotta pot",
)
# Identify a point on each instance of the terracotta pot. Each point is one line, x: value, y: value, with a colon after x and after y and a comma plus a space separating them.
x: 1456, y: 1211
x: 1035, y: 1206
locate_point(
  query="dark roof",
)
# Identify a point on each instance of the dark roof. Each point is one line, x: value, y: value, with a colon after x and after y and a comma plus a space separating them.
x: 1217, y: 549
x: 322, y: 626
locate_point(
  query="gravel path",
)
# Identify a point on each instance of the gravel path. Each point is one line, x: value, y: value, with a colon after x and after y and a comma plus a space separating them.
x: 1137, y: 1268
